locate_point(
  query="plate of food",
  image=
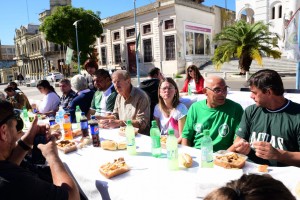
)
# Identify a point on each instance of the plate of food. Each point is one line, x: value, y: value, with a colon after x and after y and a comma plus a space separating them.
x: 229, y: 160
x: 113, y: 145
x: 66, y: 146
x: 122, y: 130
x: 115, y: 168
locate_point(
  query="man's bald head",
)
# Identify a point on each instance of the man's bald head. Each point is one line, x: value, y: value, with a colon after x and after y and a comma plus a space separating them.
x: 215, y: 89
x: 211, y: 80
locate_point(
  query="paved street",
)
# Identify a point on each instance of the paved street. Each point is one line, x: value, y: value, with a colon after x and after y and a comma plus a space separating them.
x: 235, y: 83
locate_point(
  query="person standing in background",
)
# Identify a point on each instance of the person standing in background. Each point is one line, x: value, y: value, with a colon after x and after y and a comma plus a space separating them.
x: 90, y: 66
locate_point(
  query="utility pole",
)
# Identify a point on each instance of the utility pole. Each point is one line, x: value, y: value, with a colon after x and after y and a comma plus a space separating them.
x: 78, y: 53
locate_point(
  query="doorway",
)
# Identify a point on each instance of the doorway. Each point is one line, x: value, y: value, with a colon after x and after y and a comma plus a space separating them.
x: 131, y: 57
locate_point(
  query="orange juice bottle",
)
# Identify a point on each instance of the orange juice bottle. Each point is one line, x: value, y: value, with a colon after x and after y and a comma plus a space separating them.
x: 67, y: 128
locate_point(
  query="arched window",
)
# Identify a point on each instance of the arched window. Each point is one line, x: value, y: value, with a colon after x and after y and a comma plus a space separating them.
x: 273, y: 13
x: 280, y: 11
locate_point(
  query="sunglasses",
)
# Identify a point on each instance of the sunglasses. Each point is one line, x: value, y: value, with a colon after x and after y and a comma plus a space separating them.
x: 16, y: 116
x: 190, y: 70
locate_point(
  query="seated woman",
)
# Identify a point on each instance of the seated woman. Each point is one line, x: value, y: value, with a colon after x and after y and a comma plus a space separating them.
x: 194, y: 80
x: 50, y: 102
x: 84, y: 98
x: 169, y: 112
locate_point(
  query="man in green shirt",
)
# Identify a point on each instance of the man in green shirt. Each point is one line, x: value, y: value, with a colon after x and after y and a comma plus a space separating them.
x: 104, y: 98
x: 219, y: 115
x: 269, y: 132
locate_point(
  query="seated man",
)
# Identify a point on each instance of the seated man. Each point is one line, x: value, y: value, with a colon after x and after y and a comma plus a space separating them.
x: 19, y: 183
x: 104, y: 98
x: 150, y: 86
x: 269, y: 131
x: 67, y: 93
x: 17, y: 99
x: 84, y: 98
x: 219, y: 115
x: 131, y: 104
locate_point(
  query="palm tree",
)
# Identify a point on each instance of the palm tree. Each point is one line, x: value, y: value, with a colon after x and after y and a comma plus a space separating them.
x: 247, y: 42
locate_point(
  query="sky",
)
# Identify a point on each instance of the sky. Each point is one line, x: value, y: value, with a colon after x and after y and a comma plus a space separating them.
x: 14, y: 12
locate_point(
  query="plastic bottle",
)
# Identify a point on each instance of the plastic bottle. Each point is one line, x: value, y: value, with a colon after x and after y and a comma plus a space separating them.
x: 78, y: 115
x: 67, y: 127
x: 61, y: 113
x: 130, y: 138
x: 84, y: 125
x: 51, y: 120
x: 189, y: 89
x: 155, y: 138
x: 172, y: 150
x: 94, y: 127
x: 57, y: 118
x: 25, y: 117
x: 206, y: 150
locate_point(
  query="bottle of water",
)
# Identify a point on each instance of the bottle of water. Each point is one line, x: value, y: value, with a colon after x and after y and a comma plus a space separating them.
x: 94, y: 127
x: 78, y: 115
x: 130, y: 138
x: 61, y: 113
x: 155, y: 138
x: 172, y: 150
x: 57, y: 118
x: 189, y: 89
x: 207, y: 151
x: 84, y: 125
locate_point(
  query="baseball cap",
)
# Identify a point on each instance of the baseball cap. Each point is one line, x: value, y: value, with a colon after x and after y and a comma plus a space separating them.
x: 8, y: 112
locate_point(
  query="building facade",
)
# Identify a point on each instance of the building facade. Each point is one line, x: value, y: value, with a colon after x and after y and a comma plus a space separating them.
x: 7, y: 64
x: 276, y: 12
x: 35, y: 56
x: 172, y: 34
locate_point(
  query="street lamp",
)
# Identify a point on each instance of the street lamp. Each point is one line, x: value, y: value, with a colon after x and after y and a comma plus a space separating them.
x: 136, y: 48
x: 78, y: 54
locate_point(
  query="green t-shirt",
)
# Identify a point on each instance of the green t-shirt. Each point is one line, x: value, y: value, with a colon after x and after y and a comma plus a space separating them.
x: 280, y: 127
x: 222, y: 122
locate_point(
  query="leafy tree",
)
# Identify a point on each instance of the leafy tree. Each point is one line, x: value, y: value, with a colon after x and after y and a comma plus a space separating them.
x: 247, y: 42
x: 58, y: 28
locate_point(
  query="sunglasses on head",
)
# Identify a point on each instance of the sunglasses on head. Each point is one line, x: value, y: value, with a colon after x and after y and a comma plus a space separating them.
x: 16, y: 116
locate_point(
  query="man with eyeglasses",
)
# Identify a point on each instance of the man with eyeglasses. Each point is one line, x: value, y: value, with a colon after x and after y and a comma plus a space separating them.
x: 19, y: 183
x: 269, y: 132
x: 67, y: 93
x: 219, y: 115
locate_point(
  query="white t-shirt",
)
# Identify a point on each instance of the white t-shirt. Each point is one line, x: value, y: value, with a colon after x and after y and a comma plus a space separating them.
x: 192, y: 85
x: 172, y: 121
x: 104, y: 98
x: 50, y: 103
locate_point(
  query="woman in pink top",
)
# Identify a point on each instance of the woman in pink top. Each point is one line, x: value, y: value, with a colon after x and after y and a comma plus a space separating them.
x: 194, y: 79
x: 169, y: 112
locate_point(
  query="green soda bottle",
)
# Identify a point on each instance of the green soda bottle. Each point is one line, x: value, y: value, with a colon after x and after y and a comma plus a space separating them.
x: 130, y: 138
x: 78, y: 115
x: 207, y: 151
x: 189, y: 89
x: 172, y: 150
x: 25, y: 117
x: 155, y: 138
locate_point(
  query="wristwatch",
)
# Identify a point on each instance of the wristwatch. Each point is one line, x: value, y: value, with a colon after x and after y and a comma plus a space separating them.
x: 23, y: 145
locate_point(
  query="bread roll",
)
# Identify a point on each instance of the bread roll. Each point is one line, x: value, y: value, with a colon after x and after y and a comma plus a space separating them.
x: 66, y: 146
x: 186, y: 160
x: 118, y: 167
x: 122, y: 145
x: 109, y: 145
x: 231, y: 160
x: 55, y: 127
x: 76, y: 132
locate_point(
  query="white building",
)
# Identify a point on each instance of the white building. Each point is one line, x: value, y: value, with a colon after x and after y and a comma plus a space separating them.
x: 277, y: 12
x: 173, y: 35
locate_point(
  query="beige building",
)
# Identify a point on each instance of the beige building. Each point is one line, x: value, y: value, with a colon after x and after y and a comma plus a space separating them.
x: 172, y: 35
x: 7, y: 64
x: 35, y: 56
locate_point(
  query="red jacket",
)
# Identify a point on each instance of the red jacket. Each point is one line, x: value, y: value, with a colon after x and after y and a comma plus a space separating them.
x: 199, y: 85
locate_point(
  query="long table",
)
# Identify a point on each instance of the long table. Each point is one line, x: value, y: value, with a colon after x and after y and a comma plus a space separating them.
x: 243, y: 98
x: 149, y: 177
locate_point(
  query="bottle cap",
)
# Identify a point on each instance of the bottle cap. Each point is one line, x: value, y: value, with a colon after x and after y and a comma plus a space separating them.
x: 129, y: 122
x: 171, y: 131
x: 205, y: 132
x: 82, y: 113
x: 154, y: 123
x: 66, y: 116
x: 93, y: 117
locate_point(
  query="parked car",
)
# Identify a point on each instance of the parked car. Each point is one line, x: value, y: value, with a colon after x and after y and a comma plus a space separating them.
x: 54, y: 76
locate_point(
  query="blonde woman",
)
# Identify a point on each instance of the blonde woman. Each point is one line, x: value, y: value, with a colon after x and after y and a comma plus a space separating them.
x: 169, y: 112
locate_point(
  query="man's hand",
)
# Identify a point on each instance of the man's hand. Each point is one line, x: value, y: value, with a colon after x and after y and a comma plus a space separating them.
x: 49, y: 150
x: 109, y: 123
x: 242, y: 146
x: 265, y: 150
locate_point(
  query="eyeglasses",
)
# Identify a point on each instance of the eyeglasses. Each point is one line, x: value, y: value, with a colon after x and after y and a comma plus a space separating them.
x: 218, y: 90
x: 167, y: 88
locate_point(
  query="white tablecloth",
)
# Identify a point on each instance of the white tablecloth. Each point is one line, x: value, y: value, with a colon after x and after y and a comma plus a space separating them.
x: 149, y: 177
x: 243, y: 98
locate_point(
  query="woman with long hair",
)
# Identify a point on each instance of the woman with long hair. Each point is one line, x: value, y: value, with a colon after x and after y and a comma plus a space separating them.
x: 169, y: 112
x: 50, y: 102
x: 194, y: 80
